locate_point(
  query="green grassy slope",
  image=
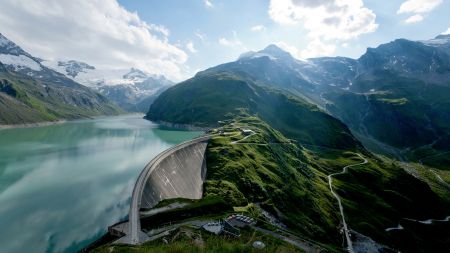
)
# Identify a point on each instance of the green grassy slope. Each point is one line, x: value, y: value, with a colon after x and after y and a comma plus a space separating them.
x: 208, y: 98
x: 284, y: 167
x: 188, y: 240
x: 402, y: 112
x: 28, y: 100
x: 290, y: 182
x: 277, y: 175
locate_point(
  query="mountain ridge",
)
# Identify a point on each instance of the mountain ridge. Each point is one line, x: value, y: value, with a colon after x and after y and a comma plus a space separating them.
x: 402, y: 83
x: 31, y: 92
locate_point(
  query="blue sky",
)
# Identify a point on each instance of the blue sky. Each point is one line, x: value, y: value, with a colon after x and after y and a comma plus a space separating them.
x: 176, y: 38
x: 228, y: 17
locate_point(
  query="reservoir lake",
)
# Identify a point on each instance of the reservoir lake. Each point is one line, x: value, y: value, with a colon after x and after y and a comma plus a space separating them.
x: 62, y: 185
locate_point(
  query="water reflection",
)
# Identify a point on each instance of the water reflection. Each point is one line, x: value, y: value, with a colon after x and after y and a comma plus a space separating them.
x: 62, y: 185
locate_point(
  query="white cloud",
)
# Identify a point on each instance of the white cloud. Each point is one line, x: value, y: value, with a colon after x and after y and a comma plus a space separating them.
x: 200, y: 35
x: 159, y: 28
x: 258, y: 28
x: 446, y: 32
x: 288, y: 48
x: 328, y: 19
x: 317, y: 48
x: 418, y: 6
x: 414, y: 19
x: 99, y: 32
x: 208, y: 4
x: 190, y: 47
x: 231, y: 42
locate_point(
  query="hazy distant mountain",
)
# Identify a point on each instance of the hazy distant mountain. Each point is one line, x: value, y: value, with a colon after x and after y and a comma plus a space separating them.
x: 132, y: 89
x: 31, y: 92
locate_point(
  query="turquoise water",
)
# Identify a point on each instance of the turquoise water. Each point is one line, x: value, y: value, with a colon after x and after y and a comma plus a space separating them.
x: 61, y: 186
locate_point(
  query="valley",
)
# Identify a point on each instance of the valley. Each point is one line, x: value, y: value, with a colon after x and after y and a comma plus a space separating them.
x: 274, y: 151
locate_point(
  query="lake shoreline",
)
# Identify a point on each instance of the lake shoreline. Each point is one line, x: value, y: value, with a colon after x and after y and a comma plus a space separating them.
x: 61, y: 121
x: 178, y: 126
x: 37, y: 124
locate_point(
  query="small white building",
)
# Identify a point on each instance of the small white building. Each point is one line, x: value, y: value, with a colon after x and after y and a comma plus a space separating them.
x: 246, y: 131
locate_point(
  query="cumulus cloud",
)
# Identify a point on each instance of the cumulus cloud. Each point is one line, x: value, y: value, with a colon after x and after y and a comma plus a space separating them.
x: 414, y: 19
x: 190, y: 47
x: 330, y: 19
x: 446, y: 32
x: 317, y: 48
x: 325, y: 21
x: 258, y: 28
x: 99, y: 32
x: 416, y: 8
x: 230, y: 42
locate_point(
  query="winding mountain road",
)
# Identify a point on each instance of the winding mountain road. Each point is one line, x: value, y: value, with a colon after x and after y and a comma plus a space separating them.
x: 341, y: 208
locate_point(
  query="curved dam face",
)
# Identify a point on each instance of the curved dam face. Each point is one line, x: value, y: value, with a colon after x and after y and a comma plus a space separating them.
x: 179, y: 175
x: 177, y: 172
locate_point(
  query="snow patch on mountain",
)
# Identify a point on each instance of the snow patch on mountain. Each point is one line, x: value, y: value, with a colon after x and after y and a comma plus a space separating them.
x: 20, y: 62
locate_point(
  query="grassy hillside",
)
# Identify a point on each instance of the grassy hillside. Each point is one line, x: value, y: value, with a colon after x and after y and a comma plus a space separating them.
x: 284, y: 166
x: 289, y: 180
x: 188, y: 240
x: 28, y: 100
x: 402, y: 112
x: 209, y: 98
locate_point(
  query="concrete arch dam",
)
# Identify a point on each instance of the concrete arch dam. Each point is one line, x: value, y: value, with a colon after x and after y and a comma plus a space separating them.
x: 178, y: 172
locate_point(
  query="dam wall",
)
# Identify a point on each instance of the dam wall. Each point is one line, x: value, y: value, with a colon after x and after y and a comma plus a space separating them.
x: 177, y: 172
x: 179, y: 175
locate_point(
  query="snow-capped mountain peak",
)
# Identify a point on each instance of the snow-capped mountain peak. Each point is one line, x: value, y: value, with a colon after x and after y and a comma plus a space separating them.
x: 272, y: 51
x: 136, y: 75
x: 73, y: 68
x: 126, y: 87
x: 12, y: 56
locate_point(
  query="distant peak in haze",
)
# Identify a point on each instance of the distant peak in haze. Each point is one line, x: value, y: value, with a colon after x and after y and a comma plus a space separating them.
x: 73, y: 68
x: 272, y: 51
x: 443, y: 36
x: 135, y: 74
x: 442, y: 39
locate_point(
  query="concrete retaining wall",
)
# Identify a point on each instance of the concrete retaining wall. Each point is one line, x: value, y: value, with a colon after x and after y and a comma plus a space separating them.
x: 177, y: 172
x: 178, y: 175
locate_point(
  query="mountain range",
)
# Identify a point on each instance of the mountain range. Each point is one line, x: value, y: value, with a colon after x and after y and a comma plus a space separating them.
x: 30, y: 92
x: 132, y: 89
x: 312, y: 118
x: 34, y: 90
x: 395, y: 98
